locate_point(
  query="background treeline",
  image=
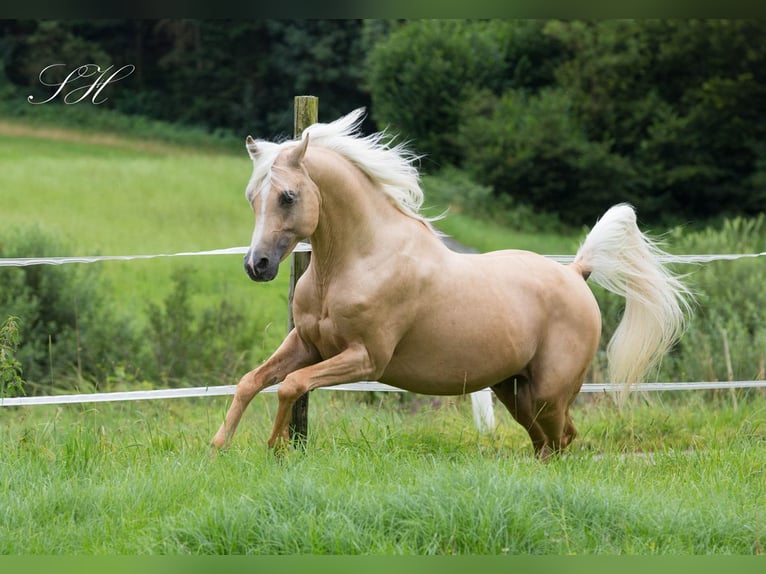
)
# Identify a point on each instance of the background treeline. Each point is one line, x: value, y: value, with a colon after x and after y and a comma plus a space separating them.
x: 562, y: 117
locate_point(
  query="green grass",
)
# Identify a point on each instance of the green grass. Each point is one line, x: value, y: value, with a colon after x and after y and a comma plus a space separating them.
x: 108, y: 200
x: 678, y: 478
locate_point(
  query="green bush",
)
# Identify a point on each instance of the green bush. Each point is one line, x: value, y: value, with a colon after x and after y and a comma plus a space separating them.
x: 727, y: 336
x: 532, y: 148
x: 66, y: 331
x: 570, y: 117
x: 207, y: 347
x: 456, y: 191
x: 680, y: 100
x: 11, y: 382
x: 420, y: 74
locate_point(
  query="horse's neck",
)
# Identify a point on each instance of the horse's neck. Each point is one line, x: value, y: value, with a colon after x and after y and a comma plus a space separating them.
x: 356, y: 219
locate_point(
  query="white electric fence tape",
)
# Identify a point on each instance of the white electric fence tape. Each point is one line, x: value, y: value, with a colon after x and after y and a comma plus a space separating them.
x: 304, y: 247
x: 366, y: 386
x: 27, y: 261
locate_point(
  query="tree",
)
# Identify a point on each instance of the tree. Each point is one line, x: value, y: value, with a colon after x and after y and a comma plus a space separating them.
x: 238, y: 75
x: 419, y: 75
x: 532, y: 147
x: 666, y: 114
x: 683, y: 100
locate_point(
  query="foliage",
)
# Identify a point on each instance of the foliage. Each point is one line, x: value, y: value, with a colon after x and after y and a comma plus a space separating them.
x: 204, y: 348
x: 238, y: 75
x: 680, y: 100
x: 11, y: 382
x: 562, y: 116
x: 726, y: 339
x: 532, y: 148
x: 53, y: 42
x: 70, y: 334
x: 570, y: 117
x: 65, y: 329
x: 421, y: 73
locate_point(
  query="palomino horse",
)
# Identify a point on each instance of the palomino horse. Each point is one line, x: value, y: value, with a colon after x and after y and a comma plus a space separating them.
x: 383, y: 298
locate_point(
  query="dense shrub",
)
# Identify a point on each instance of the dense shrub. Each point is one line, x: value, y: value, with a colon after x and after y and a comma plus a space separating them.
x: 570, y: 117
x: 204, y: 347
x: 680, y: 101
x: 11, y: 382
x: 532, y: 148
x: 421, y: 73
x: 727, y: 337
x: 66, y: 330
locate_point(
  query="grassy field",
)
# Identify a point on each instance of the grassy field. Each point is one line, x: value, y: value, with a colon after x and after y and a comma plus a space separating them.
x: 117, y: 199
x: 684, y: 477
x: 670, y: 474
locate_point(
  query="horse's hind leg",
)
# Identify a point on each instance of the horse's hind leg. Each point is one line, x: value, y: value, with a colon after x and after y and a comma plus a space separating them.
x: 570, y: 431
x: 553, y: 412
x: 516, y: 394
x: 546, y: 420
x: 552, y: 418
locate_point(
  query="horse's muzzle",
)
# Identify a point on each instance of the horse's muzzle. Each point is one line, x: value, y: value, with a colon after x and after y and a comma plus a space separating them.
x: 261, y: 267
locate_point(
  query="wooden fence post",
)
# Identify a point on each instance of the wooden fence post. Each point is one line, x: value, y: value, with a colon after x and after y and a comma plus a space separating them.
x: 306, y: 113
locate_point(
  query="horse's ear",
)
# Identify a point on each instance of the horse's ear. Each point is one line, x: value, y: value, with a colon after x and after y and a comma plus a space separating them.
x: 296, y: 156
x: 252, y: 147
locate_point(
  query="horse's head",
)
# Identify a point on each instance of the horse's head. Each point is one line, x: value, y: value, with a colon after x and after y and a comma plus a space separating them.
x: 285, y: 201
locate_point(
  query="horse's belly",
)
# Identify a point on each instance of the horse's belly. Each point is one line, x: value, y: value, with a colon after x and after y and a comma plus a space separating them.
x: 431, y: 384
x: 459, y: 361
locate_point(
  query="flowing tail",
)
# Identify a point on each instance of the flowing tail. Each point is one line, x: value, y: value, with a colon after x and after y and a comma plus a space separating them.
x: 620, y: 258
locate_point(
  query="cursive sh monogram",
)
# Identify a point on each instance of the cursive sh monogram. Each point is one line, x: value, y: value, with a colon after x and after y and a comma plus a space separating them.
x: 73, y: 91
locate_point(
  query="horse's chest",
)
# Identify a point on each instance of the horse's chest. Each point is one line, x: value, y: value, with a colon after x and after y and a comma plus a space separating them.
x: 321, y: 331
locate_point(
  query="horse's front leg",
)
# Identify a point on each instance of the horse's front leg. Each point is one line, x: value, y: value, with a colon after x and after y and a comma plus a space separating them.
x: 292, y: 354
x: 350, y: 366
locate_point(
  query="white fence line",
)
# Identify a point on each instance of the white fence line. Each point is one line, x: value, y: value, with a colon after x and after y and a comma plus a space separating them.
x: 223, y: 390
x: 27, y: 261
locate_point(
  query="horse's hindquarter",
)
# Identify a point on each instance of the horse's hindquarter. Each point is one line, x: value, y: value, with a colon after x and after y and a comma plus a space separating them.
x: 484, y: 318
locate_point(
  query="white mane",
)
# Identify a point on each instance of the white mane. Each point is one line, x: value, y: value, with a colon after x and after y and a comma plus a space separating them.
x: 390, y: 166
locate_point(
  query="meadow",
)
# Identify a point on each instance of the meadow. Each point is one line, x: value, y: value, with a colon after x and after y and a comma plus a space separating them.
x: 669, y: 473
x: 660, y: 478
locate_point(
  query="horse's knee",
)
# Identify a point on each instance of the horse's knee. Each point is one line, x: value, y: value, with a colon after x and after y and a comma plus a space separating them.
x: 291, y: 390
x: 246, y: 389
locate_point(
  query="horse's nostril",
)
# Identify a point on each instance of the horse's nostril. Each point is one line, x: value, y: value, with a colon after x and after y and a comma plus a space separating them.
x: 262, y: 264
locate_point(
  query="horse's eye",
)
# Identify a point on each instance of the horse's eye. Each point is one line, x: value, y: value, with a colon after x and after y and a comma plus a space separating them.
x: 287, y: 198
